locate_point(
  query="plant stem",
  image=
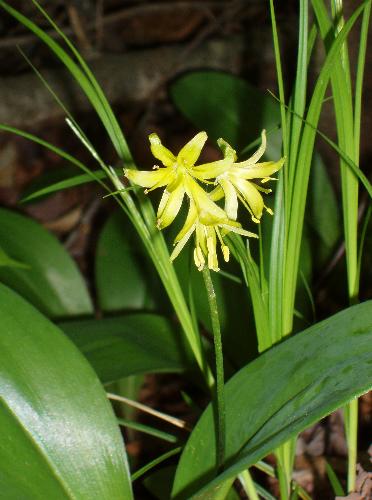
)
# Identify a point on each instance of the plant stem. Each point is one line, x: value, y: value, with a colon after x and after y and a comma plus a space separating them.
x: 219, y: 397
x: 248, y: 485
x: 351, y: 417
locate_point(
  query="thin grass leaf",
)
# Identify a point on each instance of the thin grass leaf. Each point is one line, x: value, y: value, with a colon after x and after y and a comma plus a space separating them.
x: 146, y: 429
x: 359, y: 77
x: 348, y: 161
x: 277, y: 251
x: 154, y: 463
x: 77, y: 180
x: 302, y: 174
x: 335, y: 482
x: 56, y: 150
x: 114, y: 128
x: 299, y: 92
x: 362, y: 241
x: 253, y: 281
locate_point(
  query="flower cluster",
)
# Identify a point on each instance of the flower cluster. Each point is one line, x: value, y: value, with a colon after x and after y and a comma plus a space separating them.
x: 182, y: 178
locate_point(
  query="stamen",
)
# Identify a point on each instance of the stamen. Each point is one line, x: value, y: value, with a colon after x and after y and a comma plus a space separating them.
x: 199, y: 258
x: 226, y: 252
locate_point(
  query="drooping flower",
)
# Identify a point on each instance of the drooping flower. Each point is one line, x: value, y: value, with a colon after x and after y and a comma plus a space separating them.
x: 179, y: 176
x: 170, y: 175
x: 235, y: 180
x: 207, y: 235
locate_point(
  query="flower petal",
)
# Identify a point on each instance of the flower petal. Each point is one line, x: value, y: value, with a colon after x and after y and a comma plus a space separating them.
x: 150, y: 178
x: 161, y: 152
x: 238, y: 229
x: 231, y: 198
x: 189, y: 223
x: 182, y: 242
x: 191, y: 151
x: 169, y: 207
x: 251, y: 195
x: 258, y: 170
x: 208, y: 211
x: 212, y: 169
x: 227, y: 151
x: 258, y: 154
x: 217, y: 194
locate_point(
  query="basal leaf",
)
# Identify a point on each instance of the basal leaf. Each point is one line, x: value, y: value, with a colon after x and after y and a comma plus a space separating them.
x: 59, y: 435
x: 125, y: 279
x: 223, y: 105
x: 126, y: 345
x: 278, y: 395
x: 50, y: 280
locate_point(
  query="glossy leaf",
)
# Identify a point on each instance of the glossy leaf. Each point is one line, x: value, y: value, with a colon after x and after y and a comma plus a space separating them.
x: 126, y: 345
x: 278, y: 395
x: 123, y: 273
x: 223, y: 105
x: 60, y: 438
x: 51, y: 281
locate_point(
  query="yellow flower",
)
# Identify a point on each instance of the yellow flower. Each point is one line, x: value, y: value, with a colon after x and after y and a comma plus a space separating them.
x: 171, y: 175
x: 207, y: 234
x: 179, y: 176
x: 234, y: 181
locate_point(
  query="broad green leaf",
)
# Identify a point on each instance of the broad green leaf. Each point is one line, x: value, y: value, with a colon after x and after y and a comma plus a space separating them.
x: 223, y: 105
x: 51, y: 281
x: 285, y: 390
x: 60, y: 439
x: 124, y: 276
x: 127, y: 345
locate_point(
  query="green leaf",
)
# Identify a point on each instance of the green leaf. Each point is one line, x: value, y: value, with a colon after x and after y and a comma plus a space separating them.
x: 323, y: 215
x: 335, y: 482
x: 6, y: 261
x: 224, y: 105
x: 285, y: 390
x: 159, y: 483
x: 60, y: 438
x: 124, y: 276
x: 126, y: 345
x: 57, y: 180
x: 52, y: 281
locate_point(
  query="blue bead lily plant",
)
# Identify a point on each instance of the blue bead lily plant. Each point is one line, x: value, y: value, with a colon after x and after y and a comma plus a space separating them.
x: 182, y: 179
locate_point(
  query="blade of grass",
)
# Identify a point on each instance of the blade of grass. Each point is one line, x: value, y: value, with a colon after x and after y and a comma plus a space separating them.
x: 146, y: 429
x: 140, y: 472
x: 278, y: 246
x: 302, y: 174
x: 348, y: 124
x: 335, y: 482
x: 249, y: 486
x: 60, y: 152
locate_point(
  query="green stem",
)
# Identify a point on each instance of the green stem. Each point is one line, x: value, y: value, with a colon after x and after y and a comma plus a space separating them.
x: 351, y: 418
x: 284, y: 455
x: 220, y: 397
x: 247, y: 482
